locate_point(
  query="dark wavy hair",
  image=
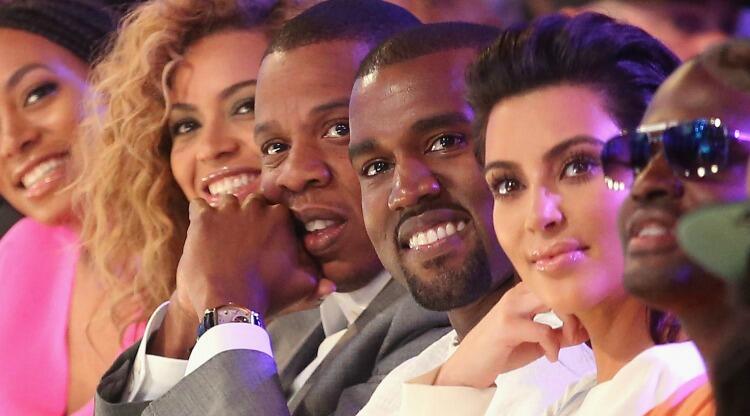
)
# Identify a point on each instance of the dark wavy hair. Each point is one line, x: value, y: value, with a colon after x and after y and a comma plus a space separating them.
x: 624, y: 64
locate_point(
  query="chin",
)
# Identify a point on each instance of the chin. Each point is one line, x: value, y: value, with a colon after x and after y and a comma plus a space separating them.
x: 349, y: 276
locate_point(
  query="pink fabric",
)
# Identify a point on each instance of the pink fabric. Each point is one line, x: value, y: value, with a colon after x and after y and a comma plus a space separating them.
x: 37, y: 269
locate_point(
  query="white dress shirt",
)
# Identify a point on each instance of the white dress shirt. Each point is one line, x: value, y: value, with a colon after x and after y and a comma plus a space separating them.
x: 526, y: 391
x: 153, y: 375
x: 639, y: 386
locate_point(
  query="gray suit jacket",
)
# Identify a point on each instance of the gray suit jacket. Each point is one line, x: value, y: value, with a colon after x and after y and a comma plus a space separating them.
x: 243, y: 382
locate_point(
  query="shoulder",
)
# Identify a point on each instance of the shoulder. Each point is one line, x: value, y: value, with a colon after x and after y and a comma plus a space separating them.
x: 28, y: 233
x: 681, y: 358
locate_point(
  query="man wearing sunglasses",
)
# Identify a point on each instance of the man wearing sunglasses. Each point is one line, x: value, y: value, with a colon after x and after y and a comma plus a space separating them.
x: 691, y: 151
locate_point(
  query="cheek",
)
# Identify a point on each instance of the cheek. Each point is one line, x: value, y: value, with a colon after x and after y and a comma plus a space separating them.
x: 509, y: 230
x: 183, y: 168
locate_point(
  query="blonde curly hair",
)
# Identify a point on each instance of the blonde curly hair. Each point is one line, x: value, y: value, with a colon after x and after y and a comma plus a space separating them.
x: 134, y: 215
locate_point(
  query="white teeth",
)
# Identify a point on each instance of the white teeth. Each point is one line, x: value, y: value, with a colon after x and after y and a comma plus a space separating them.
x: 653, y: 231
x: 229, y: 185
x: 40, y: 171
x: 317, y: 225
x: 450, y: 229
x: 435, y: 234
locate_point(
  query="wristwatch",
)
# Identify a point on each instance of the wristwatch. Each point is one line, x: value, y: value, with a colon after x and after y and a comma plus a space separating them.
x: 229, y: 313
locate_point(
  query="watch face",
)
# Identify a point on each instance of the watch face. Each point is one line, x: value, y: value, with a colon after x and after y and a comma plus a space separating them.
x: 229, y: 314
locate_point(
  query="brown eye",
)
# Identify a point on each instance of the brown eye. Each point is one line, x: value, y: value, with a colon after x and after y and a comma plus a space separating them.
x: 39, y: 93
x: 446, y: 142
x: 340, y: 129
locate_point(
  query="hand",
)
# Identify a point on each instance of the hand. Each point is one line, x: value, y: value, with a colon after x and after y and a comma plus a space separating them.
x: 507, y: 338
x: 246, y: 254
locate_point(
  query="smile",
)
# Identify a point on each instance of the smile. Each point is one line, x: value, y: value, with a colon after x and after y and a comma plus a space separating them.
x: 435, y: 234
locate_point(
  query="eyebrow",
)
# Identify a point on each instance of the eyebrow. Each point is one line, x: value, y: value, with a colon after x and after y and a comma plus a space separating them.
x: 226, y: 92
x: 21, y: 72
x: 322, y: 108
x: 441, y: 120
x: 421, y: 126
x: 365, y: 146
x: 550, y: 154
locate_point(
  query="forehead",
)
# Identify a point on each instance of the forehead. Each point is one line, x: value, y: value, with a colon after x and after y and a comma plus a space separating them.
x: 19, y: 48
x: 692, y: 93
x: 292, y: 82
x: 406, y: 92
x: 528, y: 125
x: 218, y: 60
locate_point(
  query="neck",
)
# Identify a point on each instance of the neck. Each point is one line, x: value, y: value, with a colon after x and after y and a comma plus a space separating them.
x: 464, y: 318
x: 707, y: 323
x: 608, y: 324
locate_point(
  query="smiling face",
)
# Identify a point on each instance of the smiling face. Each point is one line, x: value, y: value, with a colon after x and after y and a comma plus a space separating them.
x: 553, y: 214
x: 426, y: 207
x: 213, y: 114
x: 656, y: 269
x: 42, y: 86
x: 303, y: 132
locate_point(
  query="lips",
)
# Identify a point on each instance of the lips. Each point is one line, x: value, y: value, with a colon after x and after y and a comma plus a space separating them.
x: 323, y: 227
x: 651, y: 231
x: 41, y: 175
x: 431, y: 229
x: 239, y: 182
x: 559, y: 255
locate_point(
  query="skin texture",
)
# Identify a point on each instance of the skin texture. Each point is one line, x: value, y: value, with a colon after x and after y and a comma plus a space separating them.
x: 556, y: 221
x: 212, y: 115
x: 656, y: 269
x: 417, y: 171
x: 302, y: 129
x: 41, y: 89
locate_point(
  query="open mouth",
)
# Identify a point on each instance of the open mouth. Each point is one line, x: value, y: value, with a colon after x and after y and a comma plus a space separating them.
x: 43, y: 176
x: 436, y: 229
x: 421, y: 239
x: 239, y: 184
x: 320, y: 228
x: 651, y: 233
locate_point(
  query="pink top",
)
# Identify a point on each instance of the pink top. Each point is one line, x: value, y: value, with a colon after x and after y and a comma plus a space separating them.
x: 37, y: 269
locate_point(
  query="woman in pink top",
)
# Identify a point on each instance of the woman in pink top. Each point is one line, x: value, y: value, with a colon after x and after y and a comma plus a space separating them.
x: 58, y: 333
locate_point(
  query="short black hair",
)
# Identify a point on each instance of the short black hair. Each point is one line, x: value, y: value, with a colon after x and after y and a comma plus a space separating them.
x: 728, y: 63
x: 426, y: 40
x: 366, y: 21
x: 622, y: 62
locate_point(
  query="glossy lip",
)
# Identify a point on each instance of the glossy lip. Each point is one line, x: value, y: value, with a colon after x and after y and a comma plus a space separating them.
x: 321, y: 242
x: 650, y: 244
x: 225, y: 172
x: 429, y: 219
x: 46, y: 184
x: 558, y: 255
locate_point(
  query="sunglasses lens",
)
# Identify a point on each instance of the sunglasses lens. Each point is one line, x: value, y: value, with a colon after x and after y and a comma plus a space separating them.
x: 623, y: 157
x: 696, y: 149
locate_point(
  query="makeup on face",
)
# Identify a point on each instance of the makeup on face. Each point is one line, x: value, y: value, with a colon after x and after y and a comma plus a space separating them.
x: 42, y: 86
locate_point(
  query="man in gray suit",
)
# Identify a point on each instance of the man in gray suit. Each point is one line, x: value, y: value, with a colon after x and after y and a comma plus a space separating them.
x: 370, y: 326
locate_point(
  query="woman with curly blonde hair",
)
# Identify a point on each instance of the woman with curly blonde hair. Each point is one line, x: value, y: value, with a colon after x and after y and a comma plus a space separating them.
x: 178, y: 86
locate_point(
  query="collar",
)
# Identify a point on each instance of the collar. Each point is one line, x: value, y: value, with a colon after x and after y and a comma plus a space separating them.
x: 339, y: 310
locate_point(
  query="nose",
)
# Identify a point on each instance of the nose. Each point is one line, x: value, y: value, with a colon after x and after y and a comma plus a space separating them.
x: 412, y: 182
x: 545, y: 213
x: 656, y: 180
x: 303, y: 168
x: 18, y: 136
x: 217, y: 141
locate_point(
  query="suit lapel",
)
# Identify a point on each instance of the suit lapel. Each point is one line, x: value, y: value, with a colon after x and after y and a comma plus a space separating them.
x: 390, y: 294
x: 295, y: 339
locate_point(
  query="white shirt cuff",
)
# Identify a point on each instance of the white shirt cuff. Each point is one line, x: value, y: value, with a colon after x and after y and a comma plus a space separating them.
x: 152, y: 375
x: 226, y: 337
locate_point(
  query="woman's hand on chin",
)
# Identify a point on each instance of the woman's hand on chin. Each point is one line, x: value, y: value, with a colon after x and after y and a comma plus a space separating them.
x: 507, y: 338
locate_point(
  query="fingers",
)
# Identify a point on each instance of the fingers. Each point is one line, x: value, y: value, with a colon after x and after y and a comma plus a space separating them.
x: 325, y: 288
x: 196, y: 208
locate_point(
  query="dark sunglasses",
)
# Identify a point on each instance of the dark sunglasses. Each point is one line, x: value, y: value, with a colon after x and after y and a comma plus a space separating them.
x: 694, y: 149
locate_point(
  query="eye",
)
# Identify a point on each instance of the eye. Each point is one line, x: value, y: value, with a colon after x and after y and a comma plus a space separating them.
x: 506, y: 186
x: 183, y: 127
x: 579, y: 166
x: 245, y: 107
x: 338, y: 130
x: 375, y: 168
x: 274, y: 148
x: 38, y: 93
x: 447, y: 141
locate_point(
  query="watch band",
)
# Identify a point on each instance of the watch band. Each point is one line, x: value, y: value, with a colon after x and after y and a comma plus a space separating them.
x: 228, y: 313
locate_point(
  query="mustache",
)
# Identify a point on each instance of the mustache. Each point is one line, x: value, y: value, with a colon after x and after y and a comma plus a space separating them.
x: 424, y: 207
